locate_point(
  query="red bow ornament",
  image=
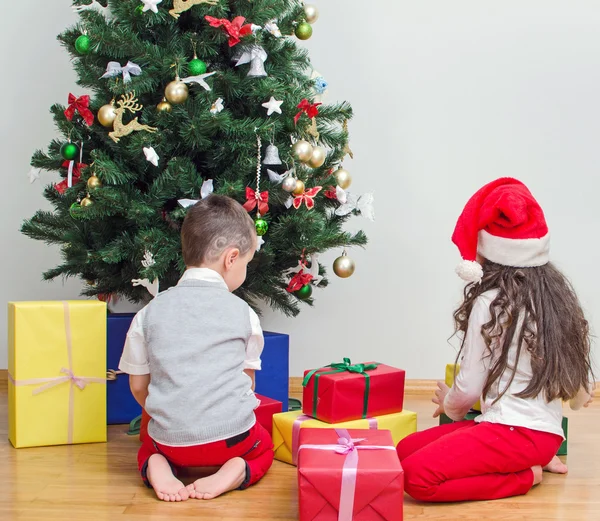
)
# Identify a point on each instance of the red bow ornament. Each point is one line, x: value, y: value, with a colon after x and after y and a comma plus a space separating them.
x: 256, y: 199
x: 79, y: 104
x: 330, y: 193
x: 235, y: 29
x: 307, y: 198
x: 61, y: 187
x: 298, y: 281
x: 107, y: 297
x: 308, y: 108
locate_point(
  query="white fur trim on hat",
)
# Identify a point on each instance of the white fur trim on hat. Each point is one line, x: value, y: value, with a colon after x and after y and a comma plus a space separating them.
x: 520, y: 253
x: 470, y: 271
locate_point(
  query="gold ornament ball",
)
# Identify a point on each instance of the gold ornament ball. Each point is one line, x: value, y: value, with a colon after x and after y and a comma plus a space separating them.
x: 176, y: 92
x: 343, y: 266
x: 299, y: 190
x: 86, y: 201
x: 302, y: 150
x: 318, y: 157
x: 164, y: 106
x: 107, y: 115
x: 289, y: 184
x: 311, y: 12
x: 343, y: 178
x: 93, y: 182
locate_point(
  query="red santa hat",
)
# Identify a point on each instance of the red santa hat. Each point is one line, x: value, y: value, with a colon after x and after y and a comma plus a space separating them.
x: 504, y: 224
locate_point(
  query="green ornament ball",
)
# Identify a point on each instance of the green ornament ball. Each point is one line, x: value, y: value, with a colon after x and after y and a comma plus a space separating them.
x: 83, y: 44
x: 262, y: 226
x: 303, y: 31
x: 196, y: 67
x: 74, y: 210
x: 304, y: 292
x: 139, y: 9
x: 69, y: 151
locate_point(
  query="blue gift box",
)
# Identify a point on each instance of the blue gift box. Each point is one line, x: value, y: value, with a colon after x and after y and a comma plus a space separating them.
x: 274, y: 379
x: 121, y: 406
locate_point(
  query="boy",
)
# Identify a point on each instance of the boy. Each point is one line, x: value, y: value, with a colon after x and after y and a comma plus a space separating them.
x: 191, y: 354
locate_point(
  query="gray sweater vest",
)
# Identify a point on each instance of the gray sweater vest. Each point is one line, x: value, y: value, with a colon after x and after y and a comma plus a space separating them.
x: 196, y: 334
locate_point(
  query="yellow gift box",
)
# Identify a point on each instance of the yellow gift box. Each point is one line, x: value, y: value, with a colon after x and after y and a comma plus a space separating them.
x: 57, y: 372
x: 450, y: 381
x: 286, y: 427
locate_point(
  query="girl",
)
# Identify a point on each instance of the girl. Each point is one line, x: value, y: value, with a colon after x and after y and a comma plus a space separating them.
x: 525, y: 349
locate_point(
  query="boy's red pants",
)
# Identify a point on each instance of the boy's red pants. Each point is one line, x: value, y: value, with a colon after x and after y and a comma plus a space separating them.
x: 465, y: 461
x: 254, y: 446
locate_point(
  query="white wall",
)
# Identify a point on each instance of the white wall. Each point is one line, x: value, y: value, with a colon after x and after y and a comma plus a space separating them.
x: 447, y: 96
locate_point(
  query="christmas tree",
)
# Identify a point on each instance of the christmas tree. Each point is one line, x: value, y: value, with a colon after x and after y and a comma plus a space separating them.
x: 189, y: 98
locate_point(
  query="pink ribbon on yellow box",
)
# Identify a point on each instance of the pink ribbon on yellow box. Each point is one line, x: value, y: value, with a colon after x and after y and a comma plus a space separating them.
x: 296, y: 433
x: 348, y: 447
x: 75, y: 381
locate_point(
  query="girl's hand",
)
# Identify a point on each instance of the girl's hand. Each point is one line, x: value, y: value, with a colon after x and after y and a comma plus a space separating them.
x: 439, y: 397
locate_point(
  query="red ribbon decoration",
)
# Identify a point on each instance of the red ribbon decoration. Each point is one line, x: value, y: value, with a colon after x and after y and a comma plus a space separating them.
x: 298, y: 281
x: 307, y: 198
x: 79, y: 104
x: 308, y: 108
x: 235, y: 29
x: 107, y: 297
x: 61, y: 187
x: 330, y: 193
x: 256, y: 199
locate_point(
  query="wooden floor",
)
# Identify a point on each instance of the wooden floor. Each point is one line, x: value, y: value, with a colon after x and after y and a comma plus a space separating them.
x: 100, y: 482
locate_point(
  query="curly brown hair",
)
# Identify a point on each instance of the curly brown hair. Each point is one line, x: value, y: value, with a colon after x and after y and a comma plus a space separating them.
x: 554, y: 330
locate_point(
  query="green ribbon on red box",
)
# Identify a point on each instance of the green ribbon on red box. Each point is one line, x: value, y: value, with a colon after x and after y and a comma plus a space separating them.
x: 341, y: 367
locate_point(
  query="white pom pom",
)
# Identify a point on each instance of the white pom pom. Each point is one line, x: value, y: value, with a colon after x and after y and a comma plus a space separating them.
x: 470, y: 271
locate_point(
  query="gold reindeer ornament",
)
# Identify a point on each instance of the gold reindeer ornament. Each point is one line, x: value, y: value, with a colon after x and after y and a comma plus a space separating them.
x: 127, y: 102
x: 181, y: 6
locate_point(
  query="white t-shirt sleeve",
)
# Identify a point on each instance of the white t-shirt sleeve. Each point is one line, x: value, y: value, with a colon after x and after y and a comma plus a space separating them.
x: 255, y: 344
x: 134, y: 359
x: 470, y: 381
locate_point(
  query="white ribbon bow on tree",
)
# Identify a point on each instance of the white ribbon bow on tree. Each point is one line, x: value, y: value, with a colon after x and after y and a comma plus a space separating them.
x: 95, y: 6
x: 205, y: 191
x: 199, y: 80
x: 256, y: 56
x: 274, y: 177
x: 351, y: 202
x: 114, y: 69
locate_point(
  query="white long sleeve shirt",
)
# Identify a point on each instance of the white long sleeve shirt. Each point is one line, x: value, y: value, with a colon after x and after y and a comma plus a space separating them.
x: 533, y: 413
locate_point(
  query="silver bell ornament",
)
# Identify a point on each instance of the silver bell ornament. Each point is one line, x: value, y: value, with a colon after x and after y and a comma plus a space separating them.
x: 289, y: 184
x: 272, y: 156
x: 256, y: 57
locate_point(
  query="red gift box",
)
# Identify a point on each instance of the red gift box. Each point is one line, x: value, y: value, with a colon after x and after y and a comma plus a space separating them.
x: 264, y: 415
x: 265, y: 411
x: 346, y: 475
x: 346, y: 392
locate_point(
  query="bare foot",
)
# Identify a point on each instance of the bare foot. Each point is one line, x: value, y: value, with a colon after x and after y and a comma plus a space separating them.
x: 164, y: 483
x: 556, y: 466
x: 229, y: 477
x: 537, y: 474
